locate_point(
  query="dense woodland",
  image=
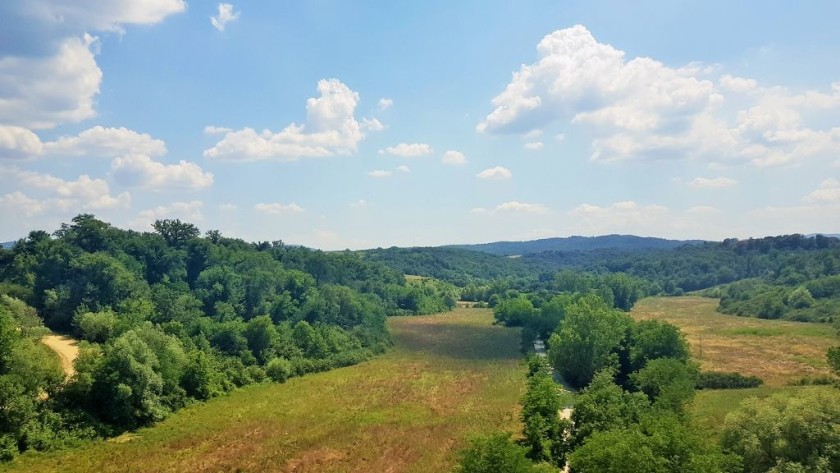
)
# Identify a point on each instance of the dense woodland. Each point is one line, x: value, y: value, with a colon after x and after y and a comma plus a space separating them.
x: 169, y: 317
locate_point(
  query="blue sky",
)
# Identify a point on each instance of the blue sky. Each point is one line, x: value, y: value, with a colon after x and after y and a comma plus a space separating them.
x: 340, y: 124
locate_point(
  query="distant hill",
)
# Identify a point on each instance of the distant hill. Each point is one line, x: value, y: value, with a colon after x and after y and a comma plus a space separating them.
x: 577, y: 243
x: 7, y: 244
x: 456, y: 265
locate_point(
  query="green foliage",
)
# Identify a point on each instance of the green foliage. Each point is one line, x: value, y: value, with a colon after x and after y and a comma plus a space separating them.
x: 279, y: 369
x: 652, y: 339
x: 833, y: 357
x: 543, y: 431
x: 658, y: 444
x: 668, y: 383
x: 587, y: 339
x: 603, y: 406
x: 514, y: 312
x: 718, y: 380
x: 97, y: 326
x: 496, y: 453
x: 786, y: 432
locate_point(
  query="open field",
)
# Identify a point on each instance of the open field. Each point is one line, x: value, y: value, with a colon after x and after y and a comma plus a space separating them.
x: 448, y: 377
x: 776, y: 351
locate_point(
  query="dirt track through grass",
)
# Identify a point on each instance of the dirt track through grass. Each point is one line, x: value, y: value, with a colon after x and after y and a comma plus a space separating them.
x: 776, y: 351
x: 66, y: 348
x: 448, y: 377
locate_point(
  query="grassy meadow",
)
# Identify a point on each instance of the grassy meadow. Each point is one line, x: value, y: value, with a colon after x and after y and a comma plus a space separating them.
x: 778, y: 352
x: 448, y: 377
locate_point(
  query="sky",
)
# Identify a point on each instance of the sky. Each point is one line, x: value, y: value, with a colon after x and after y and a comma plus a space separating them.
x: 336, y: 124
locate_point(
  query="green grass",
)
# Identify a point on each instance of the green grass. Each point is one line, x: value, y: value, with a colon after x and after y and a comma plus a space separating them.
x: 776, y: 351
x: 448, y: 377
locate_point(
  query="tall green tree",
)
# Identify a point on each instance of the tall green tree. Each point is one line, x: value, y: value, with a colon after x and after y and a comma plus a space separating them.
x: 587, y: 340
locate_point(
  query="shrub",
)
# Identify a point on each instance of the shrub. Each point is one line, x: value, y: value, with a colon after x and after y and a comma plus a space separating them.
x: 719, y: 380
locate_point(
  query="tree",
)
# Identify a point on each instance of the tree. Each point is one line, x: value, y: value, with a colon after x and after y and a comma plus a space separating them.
x: 652, y: 339
x: 260, y: 333
x: 603, y: 406
x: 540, y: 409
x: 175, y: 232
x: 587, y: 340
x: 514, y: 312
x: 668, y: 383
x: 127, y: 388
x: 785, y: 432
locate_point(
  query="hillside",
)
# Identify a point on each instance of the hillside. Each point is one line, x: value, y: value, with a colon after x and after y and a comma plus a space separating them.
x: 577, y: 243
x: 455, y: 265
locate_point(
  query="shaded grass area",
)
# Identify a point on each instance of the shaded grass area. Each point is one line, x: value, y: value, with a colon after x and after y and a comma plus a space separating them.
x: 776, y: 351
x: 449, y: 377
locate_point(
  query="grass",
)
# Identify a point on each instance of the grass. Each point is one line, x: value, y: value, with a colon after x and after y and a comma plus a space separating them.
x: 447, y: 378
x: 776, y: 351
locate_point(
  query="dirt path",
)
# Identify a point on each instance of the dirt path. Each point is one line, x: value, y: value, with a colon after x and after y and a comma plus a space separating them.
x: 67, y: 349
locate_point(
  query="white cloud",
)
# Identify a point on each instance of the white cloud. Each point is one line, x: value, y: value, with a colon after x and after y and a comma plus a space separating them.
x: 513, y: 206
x: 454, y: 158
x: 385, y: 103
x: 534, y: 145
x: 330, y: 129
x: 20, y: 203
x: 702, y: 210
x: 216, y: 130
x: 225, y: 16
x: 408, y: 150
x: 83, y: 193
x: 827, y: 193
x: 497, y: 173
x: 380, y: 173
x: 101, y: 141
x: 45, y: 91
x: 372, y: 124
x: 279, y: 209
x: 639, y: 108
x: 139, y: 170
x: 737, y: 84
x: 186, y: 211
x: 18, y: 143
x: 361, y: 203
x: 403, y: 168
x: 86, y: 15
x: 717, y: 182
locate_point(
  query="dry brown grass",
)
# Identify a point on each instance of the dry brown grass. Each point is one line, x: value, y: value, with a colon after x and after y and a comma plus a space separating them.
x: 449, y: 377
x: 776, y: 351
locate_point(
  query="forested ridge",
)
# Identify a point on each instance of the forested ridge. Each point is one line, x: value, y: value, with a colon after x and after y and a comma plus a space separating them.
x: 793, y: 277
x: 170, y: 317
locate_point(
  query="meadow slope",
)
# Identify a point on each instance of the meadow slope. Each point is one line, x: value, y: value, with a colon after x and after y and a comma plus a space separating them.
x: 448, y: 377
x: 776, y: 351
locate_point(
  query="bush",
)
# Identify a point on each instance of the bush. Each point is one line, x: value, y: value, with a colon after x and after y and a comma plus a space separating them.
x: 719, y: 380
x: 279, y: 369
